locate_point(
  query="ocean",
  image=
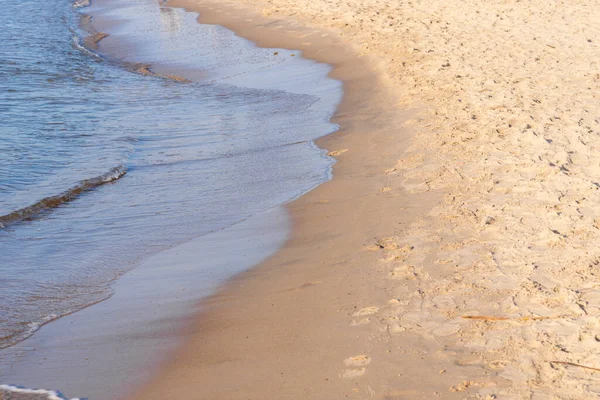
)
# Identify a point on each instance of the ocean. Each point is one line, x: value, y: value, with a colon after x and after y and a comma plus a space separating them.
x: 166, y: 132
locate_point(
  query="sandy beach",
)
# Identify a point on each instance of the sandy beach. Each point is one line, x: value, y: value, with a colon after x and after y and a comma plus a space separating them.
x: 455, y: 252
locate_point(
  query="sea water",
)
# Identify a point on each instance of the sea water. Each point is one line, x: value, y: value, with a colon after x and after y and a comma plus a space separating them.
x: 103, y: 166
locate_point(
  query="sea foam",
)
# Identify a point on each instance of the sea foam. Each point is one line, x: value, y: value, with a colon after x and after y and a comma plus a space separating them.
x: 10, y: 392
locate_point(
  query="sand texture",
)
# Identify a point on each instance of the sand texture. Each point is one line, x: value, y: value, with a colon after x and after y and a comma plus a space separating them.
x: 465, y: 264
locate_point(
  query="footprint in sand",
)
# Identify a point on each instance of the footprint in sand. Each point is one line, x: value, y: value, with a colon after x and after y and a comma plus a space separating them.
x: 352, y: 373
x: 496, y: 365
x: 366, y: 311
x: 363, y: 312
x: 360, y: 321
x: 446, y: 329
x: 357, y: 361
x: 395, y: 328
x: 404, y: 272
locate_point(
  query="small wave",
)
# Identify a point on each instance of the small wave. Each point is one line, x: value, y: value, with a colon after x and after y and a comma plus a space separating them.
x: 32, y: 327
x: 9, y: 392
x: 55, y: 201
x: 77, y: 44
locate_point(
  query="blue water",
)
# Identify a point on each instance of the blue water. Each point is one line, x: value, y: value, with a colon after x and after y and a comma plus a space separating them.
x: 190, y: 157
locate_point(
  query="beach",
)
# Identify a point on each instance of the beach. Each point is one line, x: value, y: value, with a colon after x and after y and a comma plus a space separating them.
x: 147, y: 158
x: 454, y: 254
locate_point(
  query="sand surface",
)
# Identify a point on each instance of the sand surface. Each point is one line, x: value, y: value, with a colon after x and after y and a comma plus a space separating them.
x: 455, y: 253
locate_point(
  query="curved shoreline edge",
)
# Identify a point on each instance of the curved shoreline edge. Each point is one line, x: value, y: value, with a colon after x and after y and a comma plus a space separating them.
x: 299, y: 324
x: 47, y: 348
x: 497, y: 285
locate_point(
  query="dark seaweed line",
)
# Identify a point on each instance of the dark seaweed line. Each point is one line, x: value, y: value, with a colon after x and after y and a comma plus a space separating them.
x: 52, y: 202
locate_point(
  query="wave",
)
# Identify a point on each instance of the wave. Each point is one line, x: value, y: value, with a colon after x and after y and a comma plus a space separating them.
x: 77, y: 44
x: 10, y: 392
x: 32, y: 327
x: 49, y: 203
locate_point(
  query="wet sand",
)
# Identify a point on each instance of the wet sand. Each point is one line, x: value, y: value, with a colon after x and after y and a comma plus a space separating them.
x: 454, y: 254
x: 104, y: 350
x: 316, y: 320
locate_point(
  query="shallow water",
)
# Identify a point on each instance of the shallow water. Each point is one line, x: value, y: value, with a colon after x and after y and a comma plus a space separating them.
x: 101, y: 167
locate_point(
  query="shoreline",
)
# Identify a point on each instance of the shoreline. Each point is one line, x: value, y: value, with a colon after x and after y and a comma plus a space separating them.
x: 90, y: 341
x: 299, y: 323
x: 496, y: 283
x: 455, y: 252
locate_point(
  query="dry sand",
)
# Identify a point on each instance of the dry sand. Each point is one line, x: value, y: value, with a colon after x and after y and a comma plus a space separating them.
x: 455, y: 253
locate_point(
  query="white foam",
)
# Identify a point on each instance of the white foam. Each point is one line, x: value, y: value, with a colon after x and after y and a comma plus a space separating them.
x: 50, y: 394
x: 115, y: 174
x: 81, y: 3
x: 34, y: 326
x: 82, y: 48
